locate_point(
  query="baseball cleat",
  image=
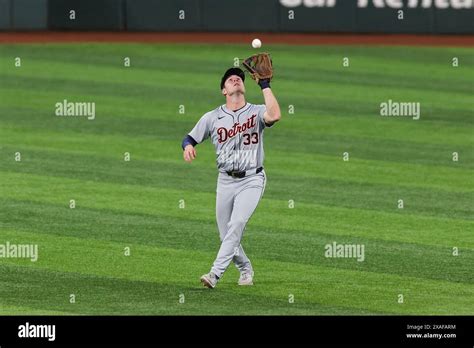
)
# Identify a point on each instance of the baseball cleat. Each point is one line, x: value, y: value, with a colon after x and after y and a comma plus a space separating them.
x: 209, y: 280
x: 246, y: 278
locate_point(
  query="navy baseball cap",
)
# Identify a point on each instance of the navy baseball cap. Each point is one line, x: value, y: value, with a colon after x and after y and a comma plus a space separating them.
x: 232, y: 71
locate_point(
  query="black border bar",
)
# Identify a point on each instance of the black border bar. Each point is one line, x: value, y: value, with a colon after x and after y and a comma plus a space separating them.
x: 347, y: 330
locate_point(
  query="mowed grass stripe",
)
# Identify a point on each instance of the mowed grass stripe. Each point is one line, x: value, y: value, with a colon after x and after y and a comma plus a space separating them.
x: 307, y: 217
x: 334, y: 122
x: 87, y: 52
x: 287, y: 137
x: 45, y: 289
x: 309, y: 190
x: 144, y: 86
x: 159, y: 99
x: 6, y: 309
x: 423, y: 164
x: 287, y: 245
x: 366, y: 60
x: 180, y: 268
x: 386, y: 66
x: 164, y: 83
x: 314, y: 187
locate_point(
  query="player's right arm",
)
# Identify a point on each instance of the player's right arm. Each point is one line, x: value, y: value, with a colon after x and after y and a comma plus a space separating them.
x: 189, y: 152
x: 199, y: 133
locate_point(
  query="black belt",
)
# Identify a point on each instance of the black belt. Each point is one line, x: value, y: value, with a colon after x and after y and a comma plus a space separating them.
x: 244, y: 173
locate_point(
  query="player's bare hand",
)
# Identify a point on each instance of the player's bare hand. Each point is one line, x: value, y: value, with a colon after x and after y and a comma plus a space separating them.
x: 189, y: 153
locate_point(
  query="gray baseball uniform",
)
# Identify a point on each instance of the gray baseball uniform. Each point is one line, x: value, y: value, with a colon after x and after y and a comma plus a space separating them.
x: 238, y: 139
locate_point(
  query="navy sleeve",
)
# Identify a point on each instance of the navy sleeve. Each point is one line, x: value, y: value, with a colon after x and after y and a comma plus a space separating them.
x: 188, y: 140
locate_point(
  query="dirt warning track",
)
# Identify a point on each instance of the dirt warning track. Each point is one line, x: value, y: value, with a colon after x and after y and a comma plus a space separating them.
x: 228, y: 38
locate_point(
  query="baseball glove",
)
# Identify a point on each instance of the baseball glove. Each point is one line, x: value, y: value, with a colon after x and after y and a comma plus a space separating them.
x: 259, y: 66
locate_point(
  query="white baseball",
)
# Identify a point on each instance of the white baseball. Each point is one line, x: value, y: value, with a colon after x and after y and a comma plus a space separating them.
x: 256, y: 43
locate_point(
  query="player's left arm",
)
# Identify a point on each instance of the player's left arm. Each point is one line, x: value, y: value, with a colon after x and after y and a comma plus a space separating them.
x: 272, y: 113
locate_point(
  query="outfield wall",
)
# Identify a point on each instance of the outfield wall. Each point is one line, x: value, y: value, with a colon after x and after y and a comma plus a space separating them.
x: 311, y: 16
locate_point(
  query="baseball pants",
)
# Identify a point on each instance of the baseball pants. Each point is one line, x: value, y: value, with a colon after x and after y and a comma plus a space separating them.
x: 236, y: 200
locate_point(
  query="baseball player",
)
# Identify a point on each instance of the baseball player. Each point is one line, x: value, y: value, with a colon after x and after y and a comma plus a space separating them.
x: 236, y: 130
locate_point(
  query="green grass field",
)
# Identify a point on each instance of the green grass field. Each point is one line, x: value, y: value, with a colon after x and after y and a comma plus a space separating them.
x: 135, y: 204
